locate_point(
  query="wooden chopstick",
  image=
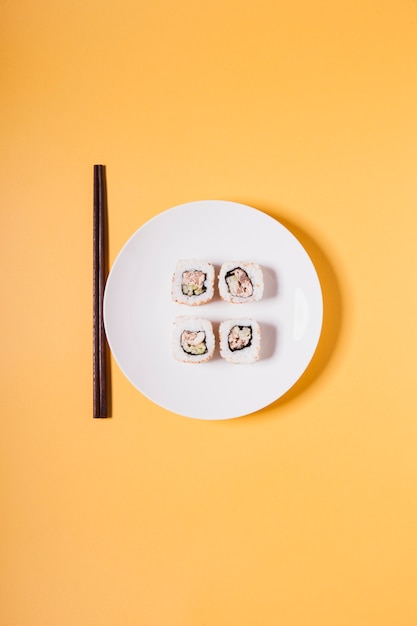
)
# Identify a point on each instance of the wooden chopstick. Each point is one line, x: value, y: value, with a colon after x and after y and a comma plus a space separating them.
x: 100, y: 390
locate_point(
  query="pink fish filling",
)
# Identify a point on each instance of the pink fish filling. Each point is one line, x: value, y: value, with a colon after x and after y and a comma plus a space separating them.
x: 192, y: 283
x: 194, y: 342
x: 239, y: 337
x: 239, y: 283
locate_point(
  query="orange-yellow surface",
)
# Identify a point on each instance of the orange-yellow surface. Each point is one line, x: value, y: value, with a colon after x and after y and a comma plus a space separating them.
x: 304, y: 514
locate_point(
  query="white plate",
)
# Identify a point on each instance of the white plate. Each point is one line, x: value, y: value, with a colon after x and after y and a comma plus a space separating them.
x: 139, y: 313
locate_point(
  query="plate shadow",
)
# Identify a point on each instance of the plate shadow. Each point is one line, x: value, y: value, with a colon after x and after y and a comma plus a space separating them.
x: 332, y: 305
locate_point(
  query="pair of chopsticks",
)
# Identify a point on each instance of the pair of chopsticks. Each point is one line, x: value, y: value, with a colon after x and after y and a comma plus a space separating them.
x: 100, y: 391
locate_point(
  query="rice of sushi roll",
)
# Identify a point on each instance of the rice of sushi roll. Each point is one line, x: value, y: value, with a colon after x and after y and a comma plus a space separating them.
x: 193, y: 339
x: 240, y: 340
x: 240, y: 282
x: 193, y: 282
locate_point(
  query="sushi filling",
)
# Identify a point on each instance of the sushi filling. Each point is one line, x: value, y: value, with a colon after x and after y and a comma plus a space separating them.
x: 239, y: 283
x: 192, y: 283
x: 193, y: 342
x: 240, y: 337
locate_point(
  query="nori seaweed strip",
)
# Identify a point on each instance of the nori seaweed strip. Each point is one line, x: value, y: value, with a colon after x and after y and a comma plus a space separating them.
x: 183, y: 286
x: 203, y: 342
x: 231, y: 274
x: 246, y: 345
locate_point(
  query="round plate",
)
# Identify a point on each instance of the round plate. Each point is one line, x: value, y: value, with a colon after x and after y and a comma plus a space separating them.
x: 139, y: 313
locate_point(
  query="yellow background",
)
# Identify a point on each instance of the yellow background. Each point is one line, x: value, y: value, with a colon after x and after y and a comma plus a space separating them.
x: 304, y: 514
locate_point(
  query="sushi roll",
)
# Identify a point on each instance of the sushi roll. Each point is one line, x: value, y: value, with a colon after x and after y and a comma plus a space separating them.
x: 240, y: 282
x: 193, y: 282
x: 193, y: 339
x: 240, y: 340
